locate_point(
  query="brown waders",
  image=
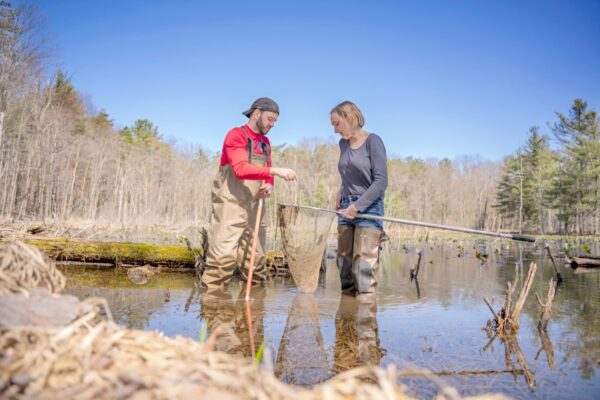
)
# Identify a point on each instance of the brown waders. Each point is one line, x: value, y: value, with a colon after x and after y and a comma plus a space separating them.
x: 235, y: 205
x: 358, y: 258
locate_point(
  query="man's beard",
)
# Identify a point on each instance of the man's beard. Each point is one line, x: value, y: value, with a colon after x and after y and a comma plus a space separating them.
x: 262, y: 129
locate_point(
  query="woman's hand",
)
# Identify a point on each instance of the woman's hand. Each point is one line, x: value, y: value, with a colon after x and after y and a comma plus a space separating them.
x: 350, y: 212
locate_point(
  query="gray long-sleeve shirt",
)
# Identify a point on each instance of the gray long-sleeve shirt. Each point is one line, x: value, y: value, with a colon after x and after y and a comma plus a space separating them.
x: 363, y: 170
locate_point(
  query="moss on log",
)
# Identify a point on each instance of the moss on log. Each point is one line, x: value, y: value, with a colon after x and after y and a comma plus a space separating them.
x: 63, y: 249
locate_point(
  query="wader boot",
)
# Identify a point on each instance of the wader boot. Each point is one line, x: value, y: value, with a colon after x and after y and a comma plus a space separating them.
x: 365, y: 263
x: 234, y: 207
x: 344, y: 257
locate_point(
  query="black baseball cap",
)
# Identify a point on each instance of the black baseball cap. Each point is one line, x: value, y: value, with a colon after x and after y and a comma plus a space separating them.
x: 263, y: 103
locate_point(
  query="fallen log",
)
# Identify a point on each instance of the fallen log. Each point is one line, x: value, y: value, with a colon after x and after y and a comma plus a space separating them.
x: 104, y: 255
x: 589, y: 262
x: 116, y: 253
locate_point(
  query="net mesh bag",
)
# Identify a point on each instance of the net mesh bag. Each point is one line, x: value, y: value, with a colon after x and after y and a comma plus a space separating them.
x: 304, y: 235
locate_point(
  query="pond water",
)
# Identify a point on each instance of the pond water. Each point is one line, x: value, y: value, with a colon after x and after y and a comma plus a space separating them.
x: 436, y: 322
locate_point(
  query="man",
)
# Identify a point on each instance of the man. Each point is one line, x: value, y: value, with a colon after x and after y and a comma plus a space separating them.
x: 245, y: 176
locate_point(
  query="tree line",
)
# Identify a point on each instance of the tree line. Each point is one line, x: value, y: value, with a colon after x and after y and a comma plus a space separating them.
x: 547, y: 190
x: 60, y: 162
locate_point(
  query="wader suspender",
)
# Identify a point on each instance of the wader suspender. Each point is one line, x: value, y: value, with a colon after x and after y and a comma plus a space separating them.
x: 250, y: 147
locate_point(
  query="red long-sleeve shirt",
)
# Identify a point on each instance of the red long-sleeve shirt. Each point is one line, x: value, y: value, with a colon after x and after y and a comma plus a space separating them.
x: 235, y: 153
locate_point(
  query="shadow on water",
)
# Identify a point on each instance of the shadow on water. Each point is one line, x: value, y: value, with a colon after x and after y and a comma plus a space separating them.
x: 435, y: 320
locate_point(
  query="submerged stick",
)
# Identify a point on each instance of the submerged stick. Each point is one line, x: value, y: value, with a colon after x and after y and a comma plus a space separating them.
x: 460, y: 373
x: 415, y: 271
x: 558, y: 275
x: 490, y: 307
x: 418, y: 288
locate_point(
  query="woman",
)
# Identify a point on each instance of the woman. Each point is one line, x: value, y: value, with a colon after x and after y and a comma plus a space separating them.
x: 363, y: 168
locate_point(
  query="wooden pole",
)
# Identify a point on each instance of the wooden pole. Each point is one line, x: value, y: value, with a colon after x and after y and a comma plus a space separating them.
x: 250, y: 328
x: 253, y: 251
x: 522, y: 238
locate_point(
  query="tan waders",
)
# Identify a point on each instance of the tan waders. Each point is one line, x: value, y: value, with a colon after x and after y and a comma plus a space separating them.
x: 358, y: 258
x: 235, y: 205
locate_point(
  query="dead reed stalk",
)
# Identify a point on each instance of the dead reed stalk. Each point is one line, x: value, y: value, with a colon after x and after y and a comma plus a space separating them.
x: 506, y: 321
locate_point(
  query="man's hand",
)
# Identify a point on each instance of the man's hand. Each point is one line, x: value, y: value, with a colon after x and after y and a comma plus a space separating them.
x: 338, y: 200
x: 350, y: 212
x: 265, y: 191
x: 285, y: 173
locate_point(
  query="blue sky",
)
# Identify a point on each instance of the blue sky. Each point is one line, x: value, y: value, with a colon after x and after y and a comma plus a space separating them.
x: 433, y: 78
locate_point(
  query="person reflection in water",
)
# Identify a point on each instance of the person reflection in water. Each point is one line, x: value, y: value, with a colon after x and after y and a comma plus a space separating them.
x: 356, y: 334
x: 220, y: 310
x: 301, y: 358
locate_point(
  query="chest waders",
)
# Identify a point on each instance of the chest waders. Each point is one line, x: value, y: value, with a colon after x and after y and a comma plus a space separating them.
x: 234, y: 207
x: 358, y: 258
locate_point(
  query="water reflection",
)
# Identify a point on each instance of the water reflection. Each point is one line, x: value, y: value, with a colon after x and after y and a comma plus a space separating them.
x: 240, y: 322
x: 439, y: 318
x: 547, y: 347
x: 356, y: 334
x: 301, y: 358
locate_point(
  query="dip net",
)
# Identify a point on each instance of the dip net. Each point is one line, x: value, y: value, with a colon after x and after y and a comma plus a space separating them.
x: 304, y: 234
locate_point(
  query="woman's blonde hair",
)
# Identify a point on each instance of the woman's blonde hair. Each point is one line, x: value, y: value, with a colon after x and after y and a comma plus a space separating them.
x: 350, y: 112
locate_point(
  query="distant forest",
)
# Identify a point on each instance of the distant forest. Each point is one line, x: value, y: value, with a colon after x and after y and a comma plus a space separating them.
x: 61, y: 162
